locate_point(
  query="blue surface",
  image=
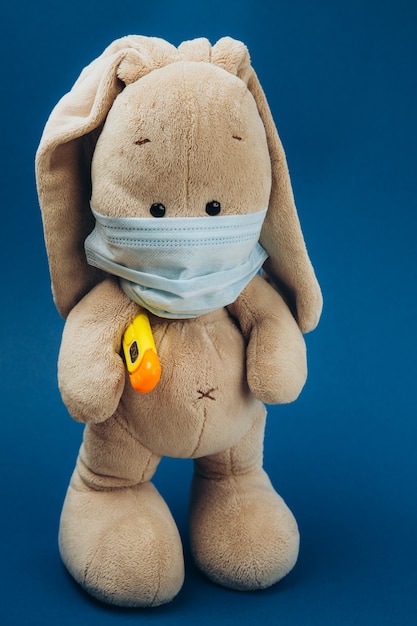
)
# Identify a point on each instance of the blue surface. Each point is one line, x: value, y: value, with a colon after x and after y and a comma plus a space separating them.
x: 341, y: 81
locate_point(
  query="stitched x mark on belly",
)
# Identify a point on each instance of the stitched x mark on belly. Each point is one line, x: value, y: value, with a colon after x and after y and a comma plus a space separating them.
x: 206, y: 394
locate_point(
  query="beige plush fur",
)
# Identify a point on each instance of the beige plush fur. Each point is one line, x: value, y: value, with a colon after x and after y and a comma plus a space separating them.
x: 147, y: 122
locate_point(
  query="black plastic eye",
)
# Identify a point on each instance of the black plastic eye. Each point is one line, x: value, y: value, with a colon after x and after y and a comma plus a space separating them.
x: 157, y: 210
x: 213, y: 207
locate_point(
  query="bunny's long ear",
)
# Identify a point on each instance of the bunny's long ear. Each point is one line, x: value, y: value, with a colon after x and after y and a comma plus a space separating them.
x: 288, y: 266
x: 63, y: 159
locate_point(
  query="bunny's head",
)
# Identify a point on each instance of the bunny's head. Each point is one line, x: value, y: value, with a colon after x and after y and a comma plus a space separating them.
x: 154, y: 131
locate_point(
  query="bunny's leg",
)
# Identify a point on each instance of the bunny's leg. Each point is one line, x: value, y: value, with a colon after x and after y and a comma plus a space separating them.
x: 243, y: 535
x: 117, y: 536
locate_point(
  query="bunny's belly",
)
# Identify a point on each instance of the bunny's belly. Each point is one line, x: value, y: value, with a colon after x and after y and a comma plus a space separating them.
x: 202, y: 404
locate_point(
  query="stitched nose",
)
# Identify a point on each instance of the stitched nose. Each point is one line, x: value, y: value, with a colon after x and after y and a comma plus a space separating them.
x: 209, y: 394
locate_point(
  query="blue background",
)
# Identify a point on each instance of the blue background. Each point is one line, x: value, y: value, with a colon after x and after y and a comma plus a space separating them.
x: 342, y: 84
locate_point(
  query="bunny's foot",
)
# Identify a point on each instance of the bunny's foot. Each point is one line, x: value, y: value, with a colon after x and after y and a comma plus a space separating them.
x: 243, y: 535
x: 121, y: 545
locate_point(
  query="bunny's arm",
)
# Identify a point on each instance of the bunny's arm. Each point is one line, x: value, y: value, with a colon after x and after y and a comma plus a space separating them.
x: 91, y: 372
x: 276, y: 352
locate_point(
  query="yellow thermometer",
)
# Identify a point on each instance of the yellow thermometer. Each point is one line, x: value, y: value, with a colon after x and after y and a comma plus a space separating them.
x: 140, y: 354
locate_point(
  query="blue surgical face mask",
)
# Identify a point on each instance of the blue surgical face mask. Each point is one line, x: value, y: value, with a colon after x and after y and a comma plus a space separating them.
x: 179, y: 267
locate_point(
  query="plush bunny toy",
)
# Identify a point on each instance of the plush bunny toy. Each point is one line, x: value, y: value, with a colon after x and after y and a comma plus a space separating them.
x: 163, y: 186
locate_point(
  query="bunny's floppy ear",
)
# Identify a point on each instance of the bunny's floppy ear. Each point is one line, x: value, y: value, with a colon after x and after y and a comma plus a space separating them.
x: 64, y: 155
x: 288, y: 266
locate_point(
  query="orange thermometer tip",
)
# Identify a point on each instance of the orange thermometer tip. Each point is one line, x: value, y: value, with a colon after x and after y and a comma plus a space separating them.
x: 147, y: 375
